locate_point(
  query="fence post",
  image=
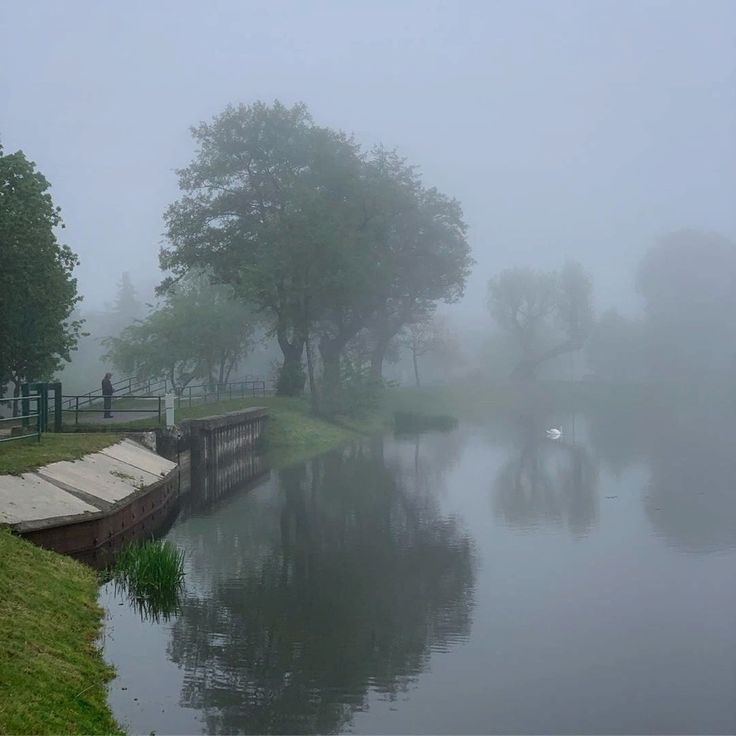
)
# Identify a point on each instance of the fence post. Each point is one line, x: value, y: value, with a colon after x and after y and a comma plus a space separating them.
x: 38, y: 416
x: 57, y: 407
x: 25, y: 405
x: 76, y: 411
x: 169, y: 410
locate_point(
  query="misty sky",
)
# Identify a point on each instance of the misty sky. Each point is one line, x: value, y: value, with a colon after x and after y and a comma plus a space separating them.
x: 566, y: 129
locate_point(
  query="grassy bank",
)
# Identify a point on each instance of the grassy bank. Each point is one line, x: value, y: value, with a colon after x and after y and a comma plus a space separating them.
x: 24, y: 455
x: 292, y: 433
x: 52, y: 676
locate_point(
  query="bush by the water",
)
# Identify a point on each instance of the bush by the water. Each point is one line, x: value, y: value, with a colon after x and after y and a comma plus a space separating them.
x: 411, y: 422
x: 152, y: 573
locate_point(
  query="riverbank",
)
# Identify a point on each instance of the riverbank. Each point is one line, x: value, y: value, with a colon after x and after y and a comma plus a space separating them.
x: 52, y: 675
x: 48, y: 612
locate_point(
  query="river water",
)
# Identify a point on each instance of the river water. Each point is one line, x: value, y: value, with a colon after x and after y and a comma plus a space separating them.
x: 484, y: 580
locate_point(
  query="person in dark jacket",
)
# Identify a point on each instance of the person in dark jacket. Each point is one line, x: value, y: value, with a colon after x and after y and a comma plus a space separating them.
x: 107, y: 392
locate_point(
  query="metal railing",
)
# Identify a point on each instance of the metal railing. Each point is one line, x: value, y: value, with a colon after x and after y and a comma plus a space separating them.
x: 124, y: 387
x: 203, y: 393
x: 23, y: 420
x: 75, y: 405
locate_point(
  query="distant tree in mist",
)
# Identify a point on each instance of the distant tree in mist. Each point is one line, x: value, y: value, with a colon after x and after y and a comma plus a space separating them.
x: 688, y: 282
x: 38, y: 292
x: 616, y: 348
x: 531, y: 306
x: 430, y: 335
x: 127, y: 307
x: 199, y: 332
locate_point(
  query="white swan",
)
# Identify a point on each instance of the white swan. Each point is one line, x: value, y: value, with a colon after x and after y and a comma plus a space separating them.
x: 554, y: 433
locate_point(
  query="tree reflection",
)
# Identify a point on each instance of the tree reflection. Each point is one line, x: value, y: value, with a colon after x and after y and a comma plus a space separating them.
x: 546, y: 482
x: 687, y: 445
x: 362, y: 580
x: 690, y: 499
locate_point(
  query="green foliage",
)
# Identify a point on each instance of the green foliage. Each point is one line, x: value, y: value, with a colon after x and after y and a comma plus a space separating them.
x: 199, y: 331
x: 37, y: 290
x: 152, y: 574
x: 324, y: 239
x: 52, y: 675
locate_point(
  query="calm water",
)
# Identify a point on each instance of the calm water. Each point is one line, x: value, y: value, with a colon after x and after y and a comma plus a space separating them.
x: 485, y: 580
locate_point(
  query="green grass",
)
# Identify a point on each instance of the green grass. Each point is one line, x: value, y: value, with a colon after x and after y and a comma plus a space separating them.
x: 152, y: 574
x: 52, y: 675
x: 24, y: 455
x: 292, y: 433
x: 409, y: 422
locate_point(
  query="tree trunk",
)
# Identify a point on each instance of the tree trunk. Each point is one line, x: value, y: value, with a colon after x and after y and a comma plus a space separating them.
x: 313, y: 388
x: 416, y: 368
x: 291, y: 375
x: 526, y: 368
x: 377, y: 356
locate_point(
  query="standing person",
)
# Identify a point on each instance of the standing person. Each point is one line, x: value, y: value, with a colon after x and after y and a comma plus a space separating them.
x: 107, y: 392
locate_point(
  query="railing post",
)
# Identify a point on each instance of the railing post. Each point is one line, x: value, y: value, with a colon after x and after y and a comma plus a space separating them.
x: 25, y: 405
x: 76, y: 411
x: 57, y: 407
x: 169, y: 410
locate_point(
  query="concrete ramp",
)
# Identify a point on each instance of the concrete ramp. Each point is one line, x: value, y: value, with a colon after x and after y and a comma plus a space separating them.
x: 31, y: 498
x: 132, y: 453
x: 94, y: 483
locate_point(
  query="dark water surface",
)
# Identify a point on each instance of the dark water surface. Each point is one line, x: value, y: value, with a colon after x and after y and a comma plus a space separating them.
x: 485, y: 580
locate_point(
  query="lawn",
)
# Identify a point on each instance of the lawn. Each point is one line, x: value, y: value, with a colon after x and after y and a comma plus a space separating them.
x: 24, y: 455
x: 52, y: 675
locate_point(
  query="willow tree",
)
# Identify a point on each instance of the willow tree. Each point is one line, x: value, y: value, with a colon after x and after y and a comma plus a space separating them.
x: 536, y: 308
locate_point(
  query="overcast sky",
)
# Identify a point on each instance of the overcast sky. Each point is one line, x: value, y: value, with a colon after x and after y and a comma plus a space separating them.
x: 566, y: 129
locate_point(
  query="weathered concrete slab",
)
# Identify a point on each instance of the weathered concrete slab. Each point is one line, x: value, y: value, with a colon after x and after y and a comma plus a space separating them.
x: 31, y: 498
x: 99, y: 476
x: 132, y: 453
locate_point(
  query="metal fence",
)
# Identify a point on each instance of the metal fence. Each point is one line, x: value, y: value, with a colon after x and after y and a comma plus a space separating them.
x: 19, y: 427
x: 128, y: 387
x: 80, y: 406
x: 204, y: 393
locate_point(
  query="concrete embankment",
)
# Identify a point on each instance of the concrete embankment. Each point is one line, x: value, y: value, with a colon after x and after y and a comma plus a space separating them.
x: 79, y: 507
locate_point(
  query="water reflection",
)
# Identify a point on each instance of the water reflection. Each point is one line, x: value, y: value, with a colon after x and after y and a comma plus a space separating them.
x: 691, y: 496
x: 546, y: 482
x: 344, y: 581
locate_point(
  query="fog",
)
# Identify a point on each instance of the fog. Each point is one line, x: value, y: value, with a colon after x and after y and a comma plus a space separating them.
x: 565, y: 129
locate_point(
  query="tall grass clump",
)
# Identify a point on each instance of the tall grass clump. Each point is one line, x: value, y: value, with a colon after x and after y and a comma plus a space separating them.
x: 152, y: 574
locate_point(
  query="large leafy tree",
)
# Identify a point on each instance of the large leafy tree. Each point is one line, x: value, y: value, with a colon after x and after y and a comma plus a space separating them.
x: 263, y: 208
x: 538, y: 308
x: 199, y: 332
x: 424, y: 256
x: 37, y: 289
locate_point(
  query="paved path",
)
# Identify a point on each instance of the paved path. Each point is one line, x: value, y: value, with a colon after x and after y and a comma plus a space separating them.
x: 80, y: 487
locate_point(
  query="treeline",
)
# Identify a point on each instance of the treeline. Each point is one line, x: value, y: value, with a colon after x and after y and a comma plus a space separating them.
x: 685, y: 334
x: 338, y: 249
